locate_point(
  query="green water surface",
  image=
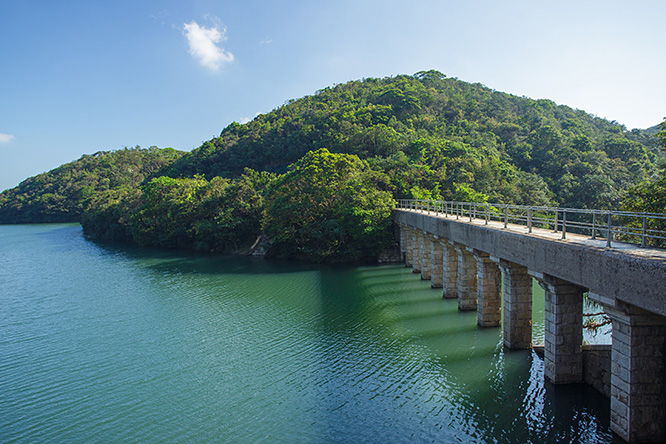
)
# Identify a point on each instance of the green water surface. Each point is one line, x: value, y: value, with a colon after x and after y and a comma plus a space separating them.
x: 116, y: 345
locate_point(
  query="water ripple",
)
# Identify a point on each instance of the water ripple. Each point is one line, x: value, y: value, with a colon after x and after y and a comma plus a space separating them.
x: 106, y: 345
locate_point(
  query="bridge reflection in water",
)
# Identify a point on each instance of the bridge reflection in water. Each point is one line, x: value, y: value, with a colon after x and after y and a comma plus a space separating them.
x: 469, y: 249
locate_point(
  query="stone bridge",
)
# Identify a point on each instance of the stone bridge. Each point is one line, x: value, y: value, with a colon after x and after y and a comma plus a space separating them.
x: 469, y: 257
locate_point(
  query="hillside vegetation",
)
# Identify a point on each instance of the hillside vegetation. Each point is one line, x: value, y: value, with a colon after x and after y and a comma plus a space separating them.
x: 62, y: 194
x: 446, y: 137
x: 318, y: 175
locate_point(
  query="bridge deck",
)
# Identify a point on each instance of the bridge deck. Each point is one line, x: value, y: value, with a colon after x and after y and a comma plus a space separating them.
x: 625, y: 272
x: 572, y: 238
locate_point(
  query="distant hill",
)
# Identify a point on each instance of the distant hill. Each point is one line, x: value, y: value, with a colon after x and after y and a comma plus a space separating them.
x: 62, y: 194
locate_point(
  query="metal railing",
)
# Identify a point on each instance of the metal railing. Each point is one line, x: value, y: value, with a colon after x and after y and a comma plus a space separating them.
x: 644, y: 229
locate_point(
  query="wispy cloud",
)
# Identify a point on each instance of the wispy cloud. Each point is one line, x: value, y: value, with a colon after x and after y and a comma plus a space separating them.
x: 6, y: 138
x: 203, y: 45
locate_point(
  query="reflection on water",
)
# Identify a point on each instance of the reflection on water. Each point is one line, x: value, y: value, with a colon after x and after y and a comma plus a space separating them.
x: 107, y: 344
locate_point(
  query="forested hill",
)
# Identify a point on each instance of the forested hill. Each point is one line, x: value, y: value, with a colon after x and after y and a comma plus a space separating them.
x: 316, y: 178
x: 446, y: 138
x: 62, y: 194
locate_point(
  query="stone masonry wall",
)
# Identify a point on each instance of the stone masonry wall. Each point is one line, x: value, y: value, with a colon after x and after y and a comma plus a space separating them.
x: 597, y: 367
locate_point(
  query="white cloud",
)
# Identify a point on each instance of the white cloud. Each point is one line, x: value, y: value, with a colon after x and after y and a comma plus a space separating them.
x: 6, y: 138
x: 203, y: 45
x: 244, y: 120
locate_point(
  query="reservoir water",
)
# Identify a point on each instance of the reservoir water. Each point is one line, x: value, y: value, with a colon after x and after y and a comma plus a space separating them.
x: 101, y: 344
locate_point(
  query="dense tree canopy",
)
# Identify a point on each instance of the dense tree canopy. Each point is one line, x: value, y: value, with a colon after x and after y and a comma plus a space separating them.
x: 329, y: 207
x: 430, y: 132
x: 650, y: 196
x: 192, y: 213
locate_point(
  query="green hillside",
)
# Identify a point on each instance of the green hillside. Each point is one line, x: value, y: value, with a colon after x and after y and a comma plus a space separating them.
x: 315, y: 178
x: 62, y: 194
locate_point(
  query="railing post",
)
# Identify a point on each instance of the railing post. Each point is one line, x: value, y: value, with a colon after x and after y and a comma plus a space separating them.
x: 557, y: 213
x: 564, y: 224
x: 428, y: 207
x: 457, y: 211
x: 471, y: 206
x: 529, y: 220
x: 610, y: 231
x: 644, y: 230
x: 594, y: 225
x: 506, y: 215
x: 487, y: 215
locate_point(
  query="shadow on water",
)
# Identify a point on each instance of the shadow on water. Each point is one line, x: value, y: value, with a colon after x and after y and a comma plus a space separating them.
x: 192, y: 262
x: 460, y: 383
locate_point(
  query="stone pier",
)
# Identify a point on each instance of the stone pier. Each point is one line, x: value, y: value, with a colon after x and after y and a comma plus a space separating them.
x: 403, y: 242
x: 416, y: 248
x: 450, y: 274
x: 638, y: 374
x: 437, y: 267
x: 517, y: 295
x: 409, y: 246
x: 489, y: 302
x: 563, y: 336
x: 426, y: 261
x: 466, y: 279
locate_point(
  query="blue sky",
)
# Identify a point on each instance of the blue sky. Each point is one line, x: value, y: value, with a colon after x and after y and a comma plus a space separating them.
x: 78, y: 77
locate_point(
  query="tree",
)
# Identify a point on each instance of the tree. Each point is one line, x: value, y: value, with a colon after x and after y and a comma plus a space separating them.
x: 329, y: 208
x: 661, y: 135
x: 650, y: 197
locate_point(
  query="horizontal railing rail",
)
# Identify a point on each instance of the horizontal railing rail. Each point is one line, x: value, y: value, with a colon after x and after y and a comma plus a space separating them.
x: 644, y: 229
